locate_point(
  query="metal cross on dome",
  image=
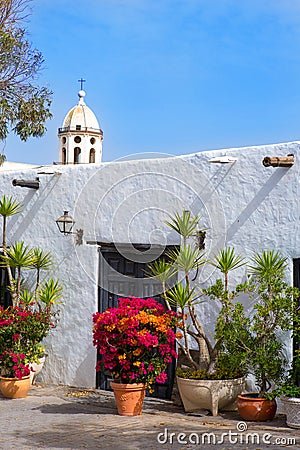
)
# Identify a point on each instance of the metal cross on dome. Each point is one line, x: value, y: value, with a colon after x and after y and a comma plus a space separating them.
x: 81, y: 81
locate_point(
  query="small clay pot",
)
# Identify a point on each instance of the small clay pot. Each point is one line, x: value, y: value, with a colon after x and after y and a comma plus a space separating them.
x: 252, y: 407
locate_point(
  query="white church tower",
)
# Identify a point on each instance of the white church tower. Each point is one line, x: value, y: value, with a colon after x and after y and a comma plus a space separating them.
x: 80, y: 138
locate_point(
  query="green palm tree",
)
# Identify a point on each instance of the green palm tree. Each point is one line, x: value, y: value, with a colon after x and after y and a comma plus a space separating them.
x: 183, y: 297
x: 19, y: 256
x: 187, y: 259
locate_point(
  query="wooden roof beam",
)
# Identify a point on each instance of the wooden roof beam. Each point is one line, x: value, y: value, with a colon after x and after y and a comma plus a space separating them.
x: 278, y: 161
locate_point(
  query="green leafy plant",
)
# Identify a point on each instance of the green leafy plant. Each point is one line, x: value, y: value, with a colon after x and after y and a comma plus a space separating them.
x: 274, y: 311
x: 217, y: 356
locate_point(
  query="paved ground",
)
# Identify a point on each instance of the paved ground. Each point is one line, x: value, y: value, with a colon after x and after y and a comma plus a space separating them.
x: 69, y: 419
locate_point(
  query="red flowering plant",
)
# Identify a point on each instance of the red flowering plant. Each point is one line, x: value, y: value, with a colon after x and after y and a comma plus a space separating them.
x: 14, y: 365
x: 22, y: 329
x: 136, y: 340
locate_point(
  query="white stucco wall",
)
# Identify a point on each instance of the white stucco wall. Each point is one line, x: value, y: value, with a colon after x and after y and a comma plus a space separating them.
x: 243, y: 204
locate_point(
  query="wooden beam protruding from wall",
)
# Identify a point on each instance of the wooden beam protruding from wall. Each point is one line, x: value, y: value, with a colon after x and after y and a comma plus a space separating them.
x: 278, y: 161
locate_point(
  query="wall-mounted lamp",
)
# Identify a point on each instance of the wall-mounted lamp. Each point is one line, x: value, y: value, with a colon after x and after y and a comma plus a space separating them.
x: 65, y: 225
x: 222, y: 160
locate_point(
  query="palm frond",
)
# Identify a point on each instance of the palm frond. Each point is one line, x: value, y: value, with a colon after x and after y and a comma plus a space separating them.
x: 41, y: 260
x: 226, y: 260
x: 161, y: 269
x: 267, y: 264
x: 184, y: 224
x: 18, y: 255
x: 26, y: 297
x: 9, y: 206
x: 50, y: 292
x: 181, y: 296
x: 187, y: 258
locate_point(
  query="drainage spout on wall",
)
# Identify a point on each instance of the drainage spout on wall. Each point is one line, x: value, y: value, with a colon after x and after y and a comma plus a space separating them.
x: 31, y: 184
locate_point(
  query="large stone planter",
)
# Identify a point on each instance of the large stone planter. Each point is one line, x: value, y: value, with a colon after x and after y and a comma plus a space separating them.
x: 292, y: 410
x: 37, y: 367
x: 213, y: 395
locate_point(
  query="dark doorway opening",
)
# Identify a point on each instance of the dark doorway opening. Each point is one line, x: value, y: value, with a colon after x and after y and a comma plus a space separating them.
x: 122, y: 273
x: 5, y: 295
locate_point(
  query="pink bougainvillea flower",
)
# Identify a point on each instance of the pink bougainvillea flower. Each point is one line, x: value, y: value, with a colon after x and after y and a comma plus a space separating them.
x: 136, y: 340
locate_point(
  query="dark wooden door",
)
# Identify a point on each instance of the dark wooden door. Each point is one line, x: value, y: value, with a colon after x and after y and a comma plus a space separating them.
x: 121, y: 276
x: 5, y: 296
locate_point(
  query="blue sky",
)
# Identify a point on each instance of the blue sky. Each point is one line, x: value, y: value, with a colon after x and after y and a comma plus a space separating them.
x: 170, y: 76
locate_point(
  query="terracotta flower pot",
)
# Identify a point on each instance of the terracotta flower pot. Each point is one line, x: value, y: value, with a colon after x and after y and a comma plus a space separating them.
x: 251, y: 407
x: 129, y: 398
x: 15, y: 388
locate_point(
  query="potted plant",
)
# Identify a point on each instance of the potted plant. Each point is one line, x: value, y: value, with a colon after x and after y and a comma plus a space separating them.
x: 136, y: 343
x: 15, y: 375
x: 212, y: 373
x: 23, y: 328
x: 274, y: 312
x: 290, y: 397
x: 289, y: 390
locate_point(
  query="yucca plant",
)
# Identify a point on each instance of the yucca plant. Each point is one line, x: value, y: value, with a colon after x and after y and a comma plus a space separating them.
x: 227, y: 261
x: 186, y: 262
x: 21, y: 257
x: 231, y: 332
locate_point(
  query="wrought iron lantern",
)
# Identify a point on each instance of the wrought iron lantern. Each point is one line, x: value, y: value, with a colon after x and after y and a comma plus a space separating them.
x: 65, y: 223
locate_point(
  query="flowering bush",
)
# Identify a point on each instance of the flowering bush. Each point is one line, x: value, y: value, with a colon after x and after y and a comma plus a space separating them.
x: 14, y: 365
x: 136, y: 340
x: 22, y: 328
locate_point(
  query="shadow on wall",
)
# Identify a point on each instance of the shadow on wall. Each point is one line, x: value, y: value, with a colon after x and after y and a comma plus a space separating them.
x: 30, y: 211
x: 255, y: 202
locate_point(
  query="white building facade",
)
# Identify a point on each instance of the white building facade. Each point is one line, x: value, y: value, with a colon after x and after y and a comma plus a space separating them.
x: 121, y: 208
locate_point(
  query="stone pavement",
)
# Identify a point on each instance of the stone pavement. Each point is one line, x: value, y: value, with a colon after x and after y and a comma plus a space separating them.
x: 59, y: 417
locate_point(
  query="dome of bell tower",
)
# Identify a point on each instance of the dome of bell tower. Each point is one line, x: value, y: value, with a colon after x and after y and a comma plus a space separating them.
x: 81, y: 115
